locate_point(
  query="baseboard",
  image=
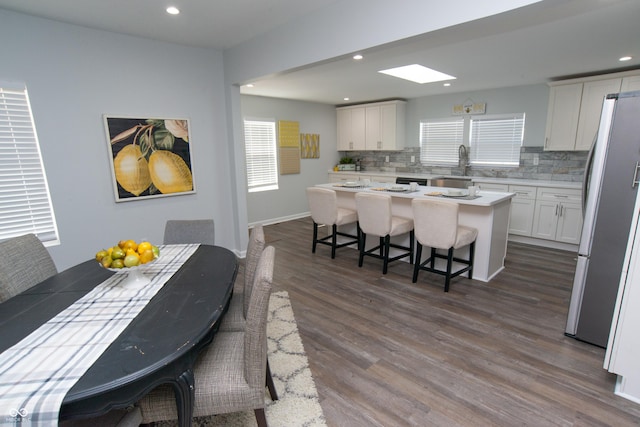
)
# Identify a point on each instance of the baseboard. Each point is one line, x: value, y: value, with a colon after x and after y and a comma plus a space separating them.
x: 544, y: 243
x: 280, y: 219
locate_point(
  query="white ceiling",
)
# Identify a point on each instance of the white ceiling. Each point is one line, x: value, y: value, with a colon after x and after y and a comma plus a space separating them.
x: 546, y: 41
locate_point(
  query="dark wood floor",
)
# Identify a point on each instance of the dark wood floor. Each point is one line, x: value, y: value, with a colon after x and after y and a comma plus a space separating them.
x: 386, y: 352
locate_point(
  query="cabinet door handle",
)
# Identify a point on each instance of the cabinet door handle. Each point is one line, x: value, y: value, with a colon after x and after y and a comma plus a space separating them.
x: 556, y: 210
x: 561, y: 196
x: 379, y: 145
x: 561, y: 208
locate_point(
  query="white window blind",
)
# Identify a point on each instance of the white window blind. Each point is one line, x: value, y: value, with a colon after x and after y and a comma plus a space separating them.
x: 496, y: 140
x: 25, y: 203
x: 260, y: 146
x: 439, y: 141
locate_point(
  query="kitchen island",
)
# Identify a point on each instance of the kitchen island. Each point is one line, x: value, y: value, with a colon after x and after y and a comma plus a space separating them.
x: 488, y: 213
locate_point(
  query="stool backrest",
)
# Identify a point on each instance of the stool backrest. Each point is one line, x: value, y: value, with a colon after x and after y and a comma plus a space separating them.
x: 374, y: 213
x: 323, y: 204
x: 435, y: 222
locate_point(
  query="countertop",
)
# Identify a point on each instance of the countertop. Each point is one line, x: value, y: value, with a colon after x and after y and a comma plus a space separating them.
x: 480, y: 179
x: 486, y: 198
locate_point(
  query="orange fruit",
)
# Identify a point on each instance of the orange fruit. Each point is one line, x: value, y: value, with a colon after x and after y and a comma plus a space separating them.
x: 143, y: 246
x: 146, y: 256
x: 130, y: 244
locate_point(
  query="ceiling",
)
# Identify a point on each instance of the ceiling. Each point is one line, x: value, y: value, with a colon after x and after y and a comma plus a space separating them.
x: 546, y: 41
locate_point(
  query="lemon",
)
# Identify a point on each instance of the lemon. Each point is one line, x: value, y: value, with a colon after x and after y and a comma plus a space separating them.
x: 132, y: 260
x: 169, y: 172
x: 132, y: 170
x: 143, y: 246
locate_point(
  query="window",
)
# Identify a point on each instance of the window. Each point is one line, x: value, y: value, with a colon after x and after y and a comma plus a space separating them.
x: 25, y: 203
x: 496, y: 140
x: 439, y: 141
x: 260, y: 146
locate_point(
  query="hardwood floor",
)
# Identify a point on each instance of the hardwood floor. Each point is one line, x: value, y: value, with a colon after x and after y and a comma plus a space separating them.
x: 386, y: 352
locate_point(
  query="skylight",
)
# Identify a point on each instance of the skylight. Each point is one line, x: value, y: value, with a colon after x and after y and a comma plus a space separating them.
x: 417, y: 73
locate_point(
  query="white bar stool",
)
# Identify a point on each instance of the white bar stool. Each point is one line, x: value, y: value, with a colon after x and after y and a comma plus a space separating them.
x: 436, y: 225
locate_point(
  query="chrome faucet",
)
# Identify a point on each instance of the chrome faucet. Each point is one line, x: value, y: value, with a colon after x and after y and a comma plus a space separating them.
x: 463, y: 159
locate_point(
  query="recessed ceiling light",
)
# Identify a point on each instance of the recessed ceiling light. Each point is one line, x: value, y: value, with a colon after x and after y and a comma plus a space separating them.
x: 358, y: 57
x: 249, y: 85
x: 172, y: 10
x: 447, y: 84
x: 345, y: 99
x: 625, y: 58
x: 417, y: 73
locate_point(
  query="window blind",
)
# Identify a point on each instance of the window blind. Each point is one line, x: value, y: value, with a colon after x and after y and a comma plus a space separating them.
x: 25, y: 202
x: 496, y: 140
x: 439, y: 141
x: 260, y: 146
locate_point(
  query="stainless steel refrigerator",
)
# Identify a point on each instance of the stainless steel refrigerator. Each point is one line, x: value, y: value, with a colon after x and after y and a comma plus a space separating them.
x: 609, y: 194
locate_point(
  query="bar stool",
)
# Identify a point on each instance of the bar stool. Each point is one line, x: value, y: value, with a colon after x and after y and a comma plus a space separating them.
x: 374, y: 217
x: 323, y: 204
x: 436, y: 225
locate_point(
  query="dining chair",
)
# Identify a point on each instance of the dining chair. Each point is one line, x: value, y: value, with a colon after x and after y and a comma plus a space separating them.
x: 436, y: 225
x: 24, y: 262
x: 323, y: 204
x: 229, y: 373
x: 375, y: 218
x: 179, y: 231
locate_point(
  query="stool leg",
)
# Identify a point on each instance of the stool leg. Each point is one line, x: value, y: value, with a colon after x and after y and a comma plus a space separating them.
x: 449, y: 262
x: 433, y: 258
x: 363, y: 237
x: 315, y: 237
x: 472, y: 250
x: 334, y: 237
x: 387, y: 241
x: 381, y: 246
x: 411, y: 246
x: 416, y: 266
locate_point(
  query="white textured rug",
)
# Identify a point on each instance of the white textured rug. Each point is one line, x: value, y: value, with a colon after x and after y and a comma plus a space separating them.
x: 297, y: 403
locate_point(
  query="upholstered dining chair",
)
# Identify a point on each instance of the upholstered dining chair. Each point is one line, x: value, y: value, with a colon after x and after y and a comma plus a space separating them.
x: 177, y: 231
x: 436, y: 225
x: 323, y: 204
x: 24, y: 262
x: 229, y: 373
x: 375, y: 218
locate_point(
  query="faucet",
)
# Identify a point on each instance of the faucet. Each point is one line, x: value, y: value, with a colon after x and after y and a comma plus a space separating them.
x: 463, y: 159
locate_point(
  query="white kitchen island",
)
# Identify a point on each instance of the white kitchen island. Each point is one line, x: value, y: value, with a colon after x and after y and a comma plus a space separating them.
x: 489, y: 214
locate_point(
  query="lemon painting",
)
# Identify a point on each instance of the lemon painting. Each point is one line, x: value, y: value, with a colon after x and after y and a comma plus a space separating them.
x: 150, y: 157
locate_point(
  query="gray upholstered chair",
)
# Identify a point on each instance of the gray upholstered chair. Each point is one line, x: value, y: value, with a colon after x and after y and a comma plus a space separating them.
x: 375, y: 218
x: 436, y: 225
x: 229, y: 373
x: 234, y: 318
x: 323, y: 204
x: 24, y: 262
x: 177, y: 231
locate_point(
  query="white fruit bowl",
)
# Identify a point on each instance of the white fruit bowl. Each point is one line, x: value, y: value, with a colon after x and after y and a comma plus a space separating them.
x: 135, y: 276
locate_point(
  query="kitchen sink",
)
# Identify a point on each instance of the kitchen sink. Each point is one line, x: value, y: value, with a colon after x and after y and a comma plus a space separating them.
x: 452, y: 182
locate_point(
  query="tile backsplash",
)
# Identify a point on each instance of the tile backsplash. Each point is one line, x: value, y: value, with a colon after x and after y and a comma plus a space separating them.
x: 552, y: 165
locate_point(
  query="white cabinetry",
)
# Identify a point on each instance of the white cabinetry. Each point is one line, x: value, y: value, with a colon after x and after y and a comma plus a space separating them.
x: 351, y: 129
x: 558, y: 215
x: 376, y: 126
x: 344, y: 177
x: 574, y: 109
x: 522, y: 209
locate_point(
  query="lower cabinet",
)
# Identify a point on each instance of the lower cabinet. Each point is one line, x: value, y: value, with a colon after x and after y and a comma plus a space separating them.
x: 558, y: 215
x: 522, y: 209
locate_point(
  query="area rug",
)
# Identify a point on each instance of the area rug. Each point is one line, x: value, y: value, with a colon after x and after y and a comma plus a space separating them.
x: 297, y: 403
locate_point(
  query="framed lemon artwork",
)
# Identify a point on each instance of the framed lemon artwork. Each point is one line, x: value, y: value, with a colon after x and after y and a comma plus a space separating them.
x: 149, y: 157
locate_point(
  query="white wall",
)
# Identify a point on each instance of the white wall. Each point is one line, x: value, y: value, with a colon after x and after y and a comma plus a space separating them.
x: 75, y: 75
x: 290, y: 198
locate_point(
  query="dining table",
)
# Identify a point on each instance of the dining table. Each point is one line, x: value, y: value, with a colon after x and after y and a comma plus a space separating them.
x: 159, y: 346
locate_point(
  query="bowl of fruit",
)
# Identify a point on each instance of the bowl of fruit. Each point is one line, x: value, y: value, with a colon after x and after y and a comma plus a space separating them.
x: 127, y: 257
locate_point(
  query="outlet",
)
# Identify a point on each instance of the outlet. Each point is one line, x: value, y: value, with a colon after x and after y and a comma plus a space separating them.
x: 386, y: 159
x: 413, y: 159
x: 536, y: 159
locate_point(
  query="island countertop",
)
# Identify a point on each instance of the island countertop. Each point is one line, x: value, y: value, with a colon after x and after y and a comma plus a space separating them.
x: 485, y: 198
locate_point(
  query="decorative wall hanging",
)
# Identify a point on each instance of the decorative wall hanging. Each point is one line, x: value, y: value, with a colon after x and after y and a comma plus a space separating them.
x: 149, y: 157
x: 469, y: 107
x: 289, y: 133
x: 310, y: 145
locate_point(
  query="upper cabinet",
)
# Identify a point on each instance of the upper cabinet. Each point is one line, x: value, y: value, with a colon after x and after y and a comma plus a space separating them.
x: 376, y: 126
x: 574, y: 109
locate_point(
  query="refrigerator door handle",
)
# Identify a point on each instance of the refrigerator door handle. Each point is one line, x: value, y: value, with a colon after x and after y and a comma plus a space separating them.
x: 635, y: 176
x: 587, y: 175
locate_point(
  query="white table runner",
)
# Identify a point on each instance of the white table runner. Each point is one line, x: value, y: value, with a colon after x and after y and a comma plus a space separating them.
x: 37, y: 372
